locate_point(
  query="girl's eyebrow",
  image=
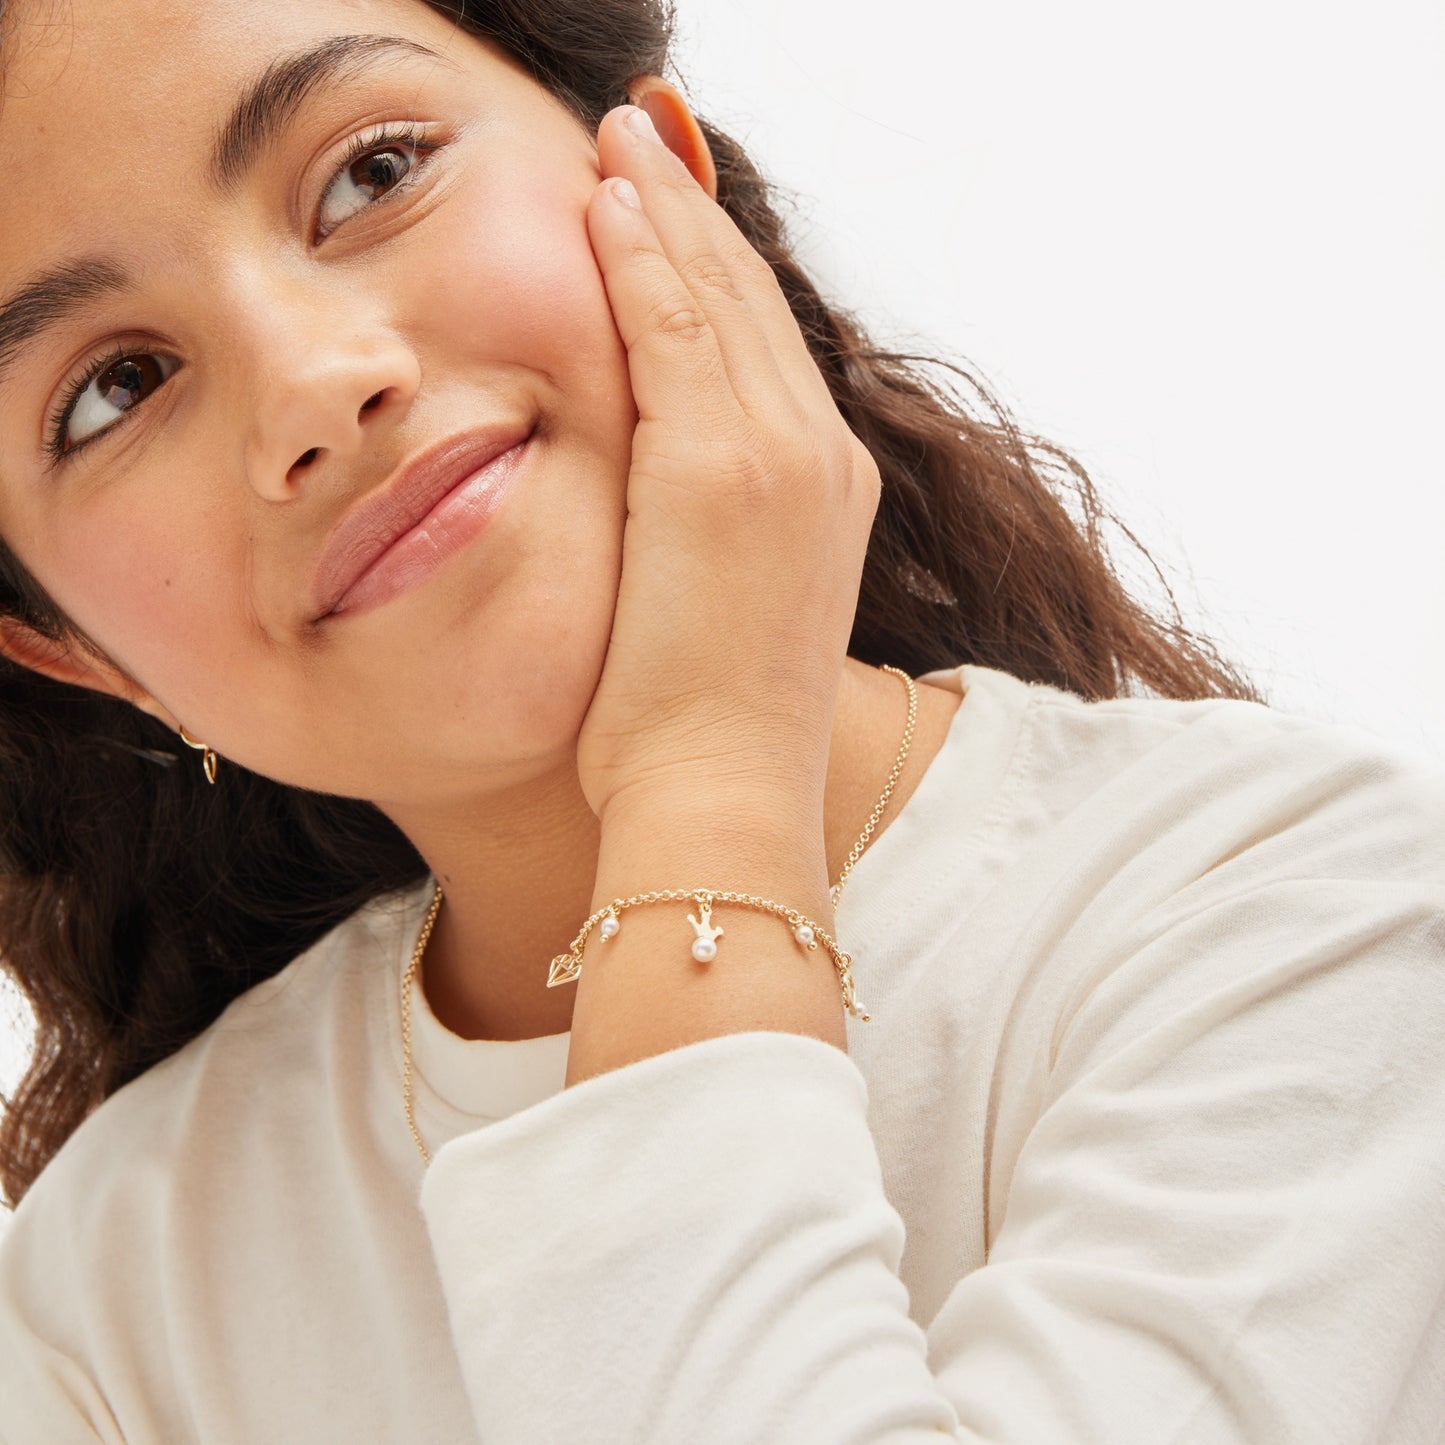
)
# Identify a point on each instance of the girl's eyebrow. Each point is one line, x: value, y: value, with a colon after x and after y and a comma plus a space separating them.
x: 52, y: 297
x: 270, y: 102
x: 265, y: 108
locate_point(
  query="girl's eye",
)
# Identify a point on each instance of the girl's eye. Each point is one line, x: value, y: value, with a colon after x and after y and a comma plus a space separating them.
x: 116, y: 385
x: 376, y: 166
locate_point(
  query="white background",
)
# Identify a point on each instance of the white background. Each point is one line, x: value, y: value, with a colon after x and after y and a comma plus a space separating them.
x: 1203, y: 249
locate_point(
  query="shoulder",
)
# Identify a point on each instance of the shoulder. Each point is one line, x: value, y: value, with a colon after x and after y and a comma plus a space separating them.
x: 115, y: 1175
x: 1239, y: 873
x: 1144, y: 859
x: 1220, y: 777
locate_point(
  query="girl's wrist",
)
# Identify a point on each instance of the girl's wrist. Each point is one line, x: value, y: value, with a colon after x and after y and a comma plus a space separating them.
x: 642, y: 991
x: 782, y: 796
x: 703, y: 837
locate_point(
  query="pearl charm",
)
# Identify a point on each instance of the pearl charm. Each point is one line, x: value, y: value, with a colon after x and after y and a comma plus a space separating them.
x: 704, y: 950
x: 609, y: 927
x: 804, y: 935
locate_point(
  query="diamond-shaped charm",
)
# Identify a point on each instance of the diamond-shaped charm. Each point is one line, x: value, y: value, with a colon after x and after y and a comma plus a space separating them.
x: 565, y: 967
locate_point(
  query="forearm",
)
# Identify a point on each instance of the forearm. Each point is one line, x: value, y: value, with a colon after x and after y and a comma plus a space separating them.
x: 642, y: 993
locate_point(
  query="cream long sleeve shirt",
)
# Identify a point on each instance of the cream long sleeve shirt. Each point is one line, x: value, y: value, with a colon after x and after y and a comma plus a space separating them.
x: 1145, y: 1145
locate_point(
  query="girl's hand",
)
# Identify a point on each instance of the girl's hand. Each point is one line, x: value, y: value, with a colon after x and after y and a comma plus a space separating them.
x: 749, y: 507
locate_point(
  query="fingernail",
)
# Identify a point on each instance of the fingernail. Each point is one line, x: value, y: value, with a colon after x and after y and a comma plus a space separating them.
x: 626, y: 192
x: 640, y: 123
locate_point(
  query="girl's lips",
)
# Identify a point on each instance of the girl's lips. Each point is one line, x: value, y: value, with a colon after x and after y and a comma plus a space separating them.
x: 457, y: 519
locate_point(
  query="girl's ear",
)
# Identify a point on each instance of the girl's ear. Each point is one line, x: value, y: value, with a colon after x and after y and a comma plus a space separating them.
x: 72, y: 662
x: 677, y: 126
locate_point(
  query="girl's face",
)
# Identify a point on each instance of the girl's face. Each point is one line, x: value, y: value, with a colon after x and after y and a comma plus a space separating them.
x: 253, y: 315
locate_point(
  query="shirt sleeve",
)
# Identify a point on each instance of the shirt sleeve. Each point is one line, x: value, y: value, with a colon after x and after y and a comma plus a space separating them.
x: 1223, y: 1228
x: 693, y: 1247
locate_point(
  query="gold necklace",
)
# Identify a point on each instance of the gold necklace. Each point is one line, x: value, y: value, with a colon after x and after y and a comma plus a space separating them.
x: 429, y: 922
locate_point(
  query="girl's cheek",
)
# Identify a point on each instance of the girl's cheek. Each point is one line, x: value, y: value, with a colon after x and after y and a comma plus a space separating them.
x: 523, y: 287
x: 149, y: 591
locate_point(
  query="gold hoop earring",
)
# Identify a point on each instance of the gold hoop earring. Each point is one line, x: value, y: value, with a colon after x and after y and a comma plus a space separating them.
x: 209, y: 761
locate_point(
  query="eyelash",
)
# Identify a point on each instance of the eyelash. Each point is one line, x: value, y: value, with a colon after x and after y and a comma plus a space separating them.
x: 378, y: 139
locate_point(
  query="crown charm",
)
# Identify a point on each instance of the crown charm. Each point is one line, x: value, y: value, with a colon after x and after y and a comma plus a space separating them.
x: 704, y: 945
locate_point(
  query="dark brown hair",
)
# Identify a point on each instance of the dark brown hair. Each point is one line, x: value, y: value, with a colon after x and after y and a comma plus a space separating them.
x: 137, y: 902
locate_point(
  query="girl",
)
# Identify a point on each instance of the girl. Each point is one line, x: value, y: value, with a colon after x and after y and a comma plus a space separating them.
x: 520, y: 952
